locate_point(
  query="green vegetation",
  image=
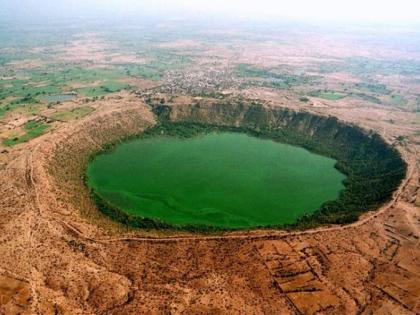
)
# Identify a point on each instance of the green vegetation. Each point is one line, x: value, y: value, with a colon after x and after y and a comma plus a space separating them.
x: 49, y: 79
x: 32, y: 128
x: 248, y: 70
x: 327, y: 95
x: 274, y: 78
x: 367, y: 67
x: 76, y: 113
x: 27, y: 99
x: 105, y: 88
x: 366, y: 97
x: 373, y: 169
x: 144, y: 71
x: 16, y: 103
x: 56, y: 98
x: 162, y: 62
x: 26, y: 88
x: 376, y: 88
x: 396, y: 100
x: 42, y: 84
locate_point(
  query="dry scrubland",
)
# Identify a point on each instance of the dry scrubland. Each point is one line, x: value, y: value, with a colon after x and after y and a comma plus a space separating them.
x: 59, y: 255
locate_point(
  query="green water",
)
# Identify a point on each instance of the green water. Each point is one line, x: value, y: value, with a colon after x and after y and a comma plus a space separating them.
x: 226, y: 179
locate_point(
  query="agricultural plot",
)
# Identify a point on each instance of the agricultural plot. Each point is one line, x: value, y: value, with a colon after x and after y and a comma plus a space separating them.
x: 328, y: 95
x: 32, y: 129
x: 70, y: 114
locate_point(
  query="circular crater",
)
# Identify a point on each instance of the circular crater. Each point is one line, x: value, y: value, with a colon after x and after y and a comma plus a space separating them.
x: 215, y: 178
x: 235, y: 166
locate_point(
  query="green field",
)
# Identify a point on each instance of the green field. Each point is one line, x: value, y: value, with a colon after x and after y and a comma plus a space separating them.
x: 224, y: 180
x: 274, y: 77
x: 396, y: 100
x: 328, y: 95
x: 32, y: 128
x: 46, y: 84
x: 47, y: 81
x: 366, y: 97
x: 105, y: 88
x: 76, y: 113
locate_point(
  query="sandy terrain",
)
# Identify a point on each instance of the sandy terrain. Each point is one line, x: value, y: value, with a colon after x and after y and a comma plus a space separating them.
x: 58, y: 255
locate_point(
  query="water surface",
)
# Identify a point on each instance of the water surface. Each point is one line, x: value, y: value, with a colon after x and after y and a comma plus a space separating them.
x: 225, y: 179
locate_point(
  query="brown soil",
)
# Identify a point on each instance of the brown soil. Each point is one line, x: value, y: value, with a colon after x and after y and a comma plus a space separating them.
x: 59, y: 255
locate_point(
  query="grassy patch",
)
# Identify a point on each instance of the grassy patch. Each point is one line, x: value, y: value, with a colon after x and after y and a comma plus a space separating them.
x: 247, y: 70
x: 55, y: 78
x: 32, y: 129
x: 273, y: 78
x: 26, y: 88
x: 397, y: 100
x: 3, y: 110
x: 327, y: 95
x: 57, y: 98
x: 76, y: 113
x: 367, y: 97
x: 105, y: 88
x: 27, y: 100
x: 145, y: 72
x: 365, y: 66
x: 374, y: 88
x: 163, y: 60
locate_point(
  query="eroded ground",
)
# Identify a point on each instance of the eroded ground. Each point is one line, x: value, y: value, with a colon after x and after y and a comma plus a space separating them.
x: 59, y: 256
